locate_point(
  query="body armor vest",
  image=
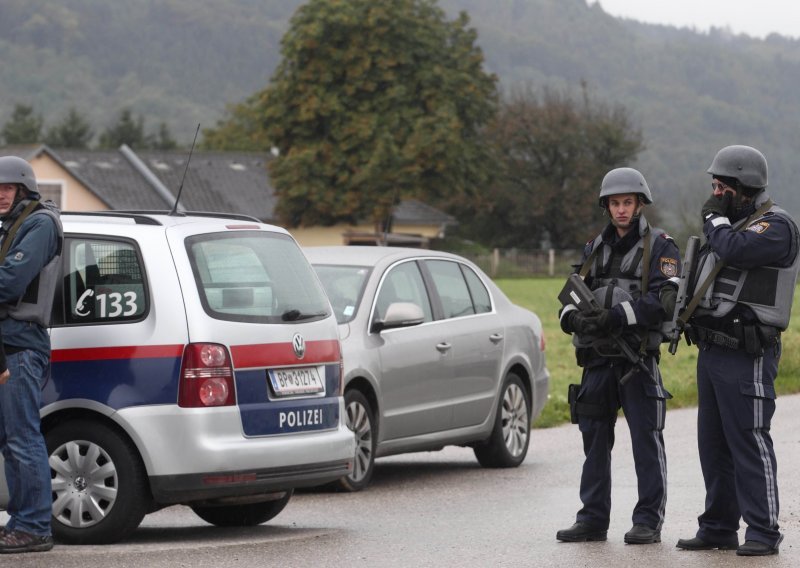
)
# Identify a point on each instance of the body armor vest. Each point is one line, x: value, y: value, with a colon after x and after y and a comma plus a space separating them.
x: 609, y: 271
x: 36, y: 304
x: 767, y: 290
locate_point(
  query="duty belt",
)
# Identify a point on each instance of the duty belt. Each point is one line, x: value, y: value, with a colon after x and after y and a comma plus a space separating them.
x: 714, y: 337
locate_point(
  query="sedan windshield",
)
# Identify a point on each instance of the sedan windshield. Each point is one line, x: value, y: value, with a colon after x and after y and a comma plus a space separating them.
x: 344, y: 286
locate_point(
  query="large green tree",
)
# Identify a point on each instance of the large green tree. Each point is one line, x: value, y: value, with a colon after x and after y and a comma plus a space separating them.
x: 375, y: 100
x: 73, y: 131
x: 552, y: 151
x: 24, y: 126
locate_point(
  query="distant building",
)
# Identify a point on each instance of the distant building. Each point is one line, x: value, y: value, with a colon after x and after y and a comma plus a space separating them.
x: 225, y: 182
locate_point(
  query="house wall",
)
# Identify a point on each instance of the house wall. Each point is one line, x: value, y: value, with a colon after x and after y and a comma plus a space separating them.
x: 75, y: 196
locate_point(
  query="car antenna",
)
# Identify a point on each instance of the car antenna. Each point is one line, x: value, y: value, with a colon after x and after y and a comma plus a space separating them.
x: 183, y: 178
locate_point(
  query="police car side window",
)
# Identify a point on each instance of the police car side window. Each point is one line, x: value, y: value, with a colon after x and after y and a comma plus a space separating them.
x: 103, y: 282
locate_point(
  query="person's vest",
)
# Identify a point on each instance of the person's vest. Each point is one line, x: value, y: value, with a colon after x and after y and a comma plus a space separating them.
x: 625, y: 273
x: 767, y: 290
x: 36, y: 304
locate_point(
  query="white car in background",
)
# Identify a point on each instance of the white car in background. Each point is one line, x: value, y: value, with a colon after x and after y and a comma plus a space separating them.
x: 195, y: 361
x: 434, y: 355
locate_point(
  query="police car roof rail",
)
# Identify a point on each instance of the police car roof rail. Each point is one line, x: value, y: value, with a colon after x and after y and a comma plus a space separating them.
x: 145, y: 216
x: 139, y: 217
x: 211, y: 214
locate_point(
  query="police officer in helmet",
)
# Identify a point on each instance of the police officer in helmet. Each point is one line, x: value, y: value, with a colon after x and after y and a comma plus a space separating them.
x: 745, y: 283
x: 626, y: 266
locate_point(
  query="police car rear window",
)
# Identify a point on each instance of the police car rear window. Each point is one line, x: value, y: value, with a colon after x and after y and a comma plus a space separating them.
x: 255, y: 276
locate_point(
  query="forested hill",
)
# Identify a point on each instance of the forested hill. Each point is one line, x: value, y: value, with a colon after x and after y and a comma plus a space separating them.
x: 183, y: 61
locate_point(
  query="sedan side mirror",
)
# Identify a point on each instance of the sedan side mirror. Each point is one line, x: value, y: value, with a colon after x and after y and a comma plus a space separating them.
x: 400, y: 314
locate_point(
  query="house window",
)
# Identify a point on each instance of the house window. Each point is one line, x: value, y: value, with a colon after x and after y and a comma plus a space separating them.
x: 52, y: 190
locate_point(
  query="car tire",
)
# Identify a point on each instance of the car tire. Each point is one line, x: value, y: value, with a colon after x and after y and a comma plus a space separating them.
x: 99, y: 484
x: 248, y: 515
x: 360, y: 418
x: 508, y: 443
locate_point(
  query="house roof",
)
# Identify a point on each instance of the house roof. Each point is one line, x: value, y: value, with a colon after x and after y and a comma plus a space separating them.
x: 225, y: 182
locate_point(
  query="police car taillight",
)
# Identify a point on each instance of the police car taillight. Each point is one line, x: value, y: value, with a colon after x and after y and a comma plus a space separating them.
x: 206, y: 376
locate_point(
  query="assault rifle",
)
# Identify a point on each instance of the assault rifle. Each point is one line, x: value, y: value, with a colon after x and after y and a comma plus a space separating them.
x: 577, y: 293
x: 678, y: 323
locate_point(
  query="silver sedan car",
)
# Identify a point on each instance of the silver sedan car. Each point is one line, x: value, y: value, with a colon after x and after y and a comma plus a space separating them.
x: 434, y: 355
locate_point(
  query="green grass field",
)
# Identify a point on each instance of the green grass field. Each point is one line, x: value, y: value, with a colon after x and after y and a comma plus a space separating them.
x: 540, y: 295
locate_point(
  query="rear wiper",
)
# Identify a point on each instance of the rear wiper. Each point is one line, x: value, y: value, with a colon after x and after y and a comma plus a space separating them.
x: 295, y: 315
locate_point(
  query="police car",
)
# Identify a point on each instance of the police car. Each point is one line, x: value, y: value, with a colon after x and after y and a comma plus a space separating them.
x: 195, y: 361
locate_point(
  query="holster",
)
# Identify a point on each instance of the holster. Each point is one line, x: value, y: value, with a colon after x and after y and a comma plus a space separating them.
x: 572, y: 399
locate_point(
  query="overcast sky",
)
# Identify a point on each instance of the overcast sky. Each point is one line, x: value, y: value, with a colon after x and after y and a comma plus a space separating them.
x: 756, y: 18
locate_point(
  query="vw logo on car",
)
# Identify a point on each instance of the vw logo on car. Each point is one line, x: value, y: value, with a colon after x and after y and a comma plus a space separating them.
x: 299, y: 345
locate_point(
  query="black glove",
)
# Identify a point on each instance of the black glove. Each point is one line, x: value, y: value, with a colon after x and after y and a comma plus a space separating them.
x: 604, y: 321
x: 581, y: 323
x: 716, y: 206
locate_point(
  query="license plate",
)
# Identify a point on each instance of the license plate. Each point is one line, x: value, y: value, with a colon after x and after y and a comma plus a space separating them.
x: 298, y: 380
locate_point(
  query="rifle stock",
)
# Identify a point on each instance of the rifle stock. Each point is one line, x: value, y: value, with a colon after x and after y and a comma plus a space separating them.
x: 577, y: 293
x: 682, y: 297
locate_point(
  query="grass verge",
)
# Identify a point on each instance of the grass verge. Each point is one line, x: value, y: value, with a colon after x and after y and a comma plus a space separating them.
x: 541, y: 296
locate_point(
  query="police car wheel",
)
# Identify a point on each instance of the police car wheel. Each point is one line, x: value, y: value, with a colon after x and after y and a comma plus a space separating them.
x: 507, y: 445
x: 360, y: 418
x: 100, y: 491
x: 248, y: 515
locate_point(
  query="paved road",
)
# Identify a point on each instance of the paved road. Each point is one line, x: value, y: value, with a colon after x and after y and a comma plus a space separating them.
x: 441, y: 509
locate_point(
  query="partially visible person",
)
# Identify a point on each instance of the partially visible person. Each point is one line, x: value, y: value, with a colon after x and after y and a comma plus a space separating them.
x: 626, y: 267
x: 745, y: 286
x: 30, y: 252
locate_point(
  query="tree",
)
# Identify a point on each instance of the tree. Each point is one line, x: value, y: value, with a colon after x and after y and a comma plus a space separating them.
x: 24, y: 127
x: 374, y: 100
x: 125, y: 131
x: 240, y: 129
x: 552, y: 153
x: 163, y: 140
x: 73, y: 131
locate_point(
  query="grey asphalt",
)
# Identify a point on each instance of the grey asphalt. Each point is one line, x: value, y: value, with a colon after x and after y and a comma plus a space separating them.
x: 441, y: 509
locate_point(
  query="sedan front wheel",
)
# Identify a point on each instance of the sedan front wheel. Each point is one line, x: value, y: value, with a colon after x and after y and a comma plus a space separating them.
x: 360, y: 418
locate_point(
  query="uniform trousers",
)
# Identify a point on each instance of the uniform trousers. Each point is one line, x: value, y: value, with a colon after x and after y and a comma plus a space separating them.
x: 643, y: 400
x: 736, y: 401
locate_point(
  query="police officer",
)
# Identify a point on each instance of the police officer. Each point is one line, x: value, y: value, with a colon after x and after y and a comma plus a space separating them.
x: 626, y: 266
x: 30, y: 245
x: 745, y: 283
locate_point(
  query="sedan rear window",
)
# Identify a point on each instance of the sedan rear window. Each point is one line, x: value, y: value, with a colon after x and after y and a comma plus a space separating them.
x: 255, y: 277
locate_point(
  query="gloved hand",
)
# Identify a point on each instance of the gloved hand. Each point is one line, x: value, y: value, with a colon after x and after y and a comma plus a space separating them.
x: 604, y: 321
x: 580, y: 323
x: 717, y: 205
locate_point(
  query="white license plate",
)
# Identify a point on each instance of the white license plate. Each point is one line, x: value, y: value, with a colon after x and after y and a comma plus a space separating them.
x: 298, y: 380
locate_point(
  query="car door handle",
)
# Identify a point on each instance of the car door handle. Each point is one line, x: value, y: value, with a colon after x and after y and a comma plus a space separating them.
x: 496, y: 337
x: 443, y: 347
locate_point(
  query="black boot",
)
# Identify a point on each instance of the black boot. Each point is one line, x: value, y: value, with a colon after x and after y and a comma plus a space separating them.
x: 755, y: 548
x: 699, y: 544
x: 642, y: 534
x: 581, y: 532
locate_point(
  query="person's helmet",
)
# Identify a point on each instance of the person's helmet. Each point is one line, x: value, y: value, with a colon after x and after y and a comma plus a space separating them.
x: 19, y: 171
x: 624, y: 180
x: 743, y: 163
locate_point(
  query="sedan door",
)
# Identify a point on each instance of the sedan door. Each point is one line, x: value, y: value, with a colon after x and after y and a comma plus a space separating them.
x: 416, y: 362
x: 476, y: 333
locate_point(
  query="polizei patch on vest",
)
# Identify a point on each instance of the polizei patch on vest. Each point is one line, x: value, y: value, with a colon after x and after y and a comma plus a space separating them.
x: 669, y: 266
x: 759, y: 227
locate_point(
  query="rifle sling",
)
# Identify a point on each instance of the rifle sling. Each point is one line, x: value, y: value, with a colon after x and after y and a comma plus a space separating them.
x: 9, y: 237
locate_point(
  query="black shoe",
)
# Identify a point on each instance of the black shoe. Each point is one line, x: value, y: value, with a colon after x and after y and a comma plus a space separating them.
x: 699, y: 544
x: 755, y: 548
x: 18, y: 541
x: 581, y: 532
x: 642, y: 534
